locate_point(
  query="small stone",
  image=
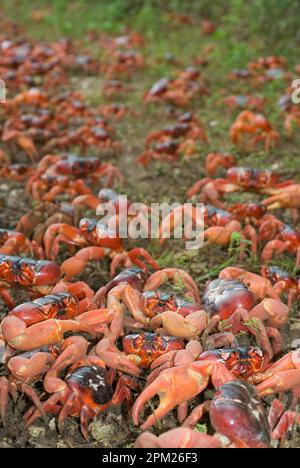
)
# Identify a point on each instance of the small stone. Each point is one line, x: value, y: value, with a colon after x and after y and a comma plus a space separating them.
x: 14, y: 198
x: 52, y: 425
x: 4, y: 187
x: 102, y: 432
x: 35, y: 432
x: 61, y: 444
x: 6, y: 444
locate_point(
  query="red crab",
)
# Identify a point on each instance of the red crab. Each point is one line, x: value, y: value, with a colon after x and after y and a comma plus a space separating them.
x: 92, y: 232
x: 140, y: 349
x: 18, y: 172
x: 164, y: 144
x: 36, y: 221
x: 288, y: 239
x: 37, y: 276
x: 282, y: 282
x: 178, y: 91
x: 228, y: 306
x: 239, y: 179
x: 15, y: 243
x: 126, y: 290
x: 254, y: 126
x: 211, y: 224
x: 60, y: 305
x: 54, y: 174
x: 238, y: 417
x: 86, y: 391
x: 240, y: 101
x: 180, y: 384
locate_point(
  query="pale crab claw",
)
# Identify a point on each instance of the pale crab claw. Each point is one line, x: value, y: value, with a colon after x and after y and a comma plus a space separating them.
x: 113, y: 358
x: 181, y: 437
x: 282, y: 376
x: 192, y: 350
x: 175, y: 324
x: 174, y: 387
x: 289, y: 199
x: 177, y: 386
x: 272, y: 310
x: 259, y: 286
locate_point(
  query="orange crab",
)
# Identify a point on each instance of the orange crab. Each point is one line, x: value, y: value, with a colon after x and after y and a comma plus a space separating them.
x: 253, y: 103
x: 240, y: 179
x: 56, y: 174
x: 37, y: 276
x: 254, y: 126
x: 95, y: 240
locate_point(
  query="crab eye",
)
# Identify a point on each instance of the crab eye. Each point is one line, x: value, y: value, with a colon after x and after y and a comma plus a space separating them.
x: 225, y: 356
x: 259, y: 352
x: 264, y: 179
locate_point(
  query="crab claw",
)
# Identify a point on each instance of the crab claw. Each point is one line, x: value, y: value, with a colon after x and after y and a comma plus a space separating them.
x: 26, y: 369
x: 259, y: 286
x: 175, y: 358
x: 174, y: 220
x: 181, y: 437
x: 138, y: 257
x: 112, y: 357
x: 283, y: 375
x: 279, y: 382
x: 134, y: 255
x: 272, y: 310
x: 289, y: 199
x: 183, y: 356
x: 45, y: 333
x: 119, y: 362
x: 175, y: 324
x: 174, y: 387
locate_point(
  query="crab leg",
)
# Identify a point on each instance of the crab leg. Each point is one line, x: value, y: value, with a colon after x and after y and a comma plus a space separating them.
x: 177, y: 276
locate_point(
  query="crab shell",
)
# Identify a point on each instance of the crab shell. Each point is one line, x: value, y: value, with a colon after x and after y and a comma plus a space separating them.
x: 96, y: 233
x: 51, y: 306
x: 252, y: 179
x: 157, y: 302
x: 149, y: 346
x: 243, y: 362
x: 237, y: 412
x: 91, y: 385
x: 77, y: 166
x: 224, y: 297
x: 26, y: 272
x: 276, y: 274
